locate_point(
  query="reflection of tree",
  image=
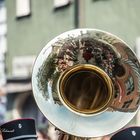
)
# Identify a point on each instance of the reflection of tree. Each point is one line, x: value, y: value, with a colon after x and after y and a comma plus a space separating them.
x: 46, y: 73
x: 105, y: 37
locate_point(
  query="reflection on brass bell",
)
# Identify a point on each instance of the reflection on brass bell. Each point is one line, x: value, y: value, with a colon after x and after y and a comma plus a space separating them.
x: 85, y: 80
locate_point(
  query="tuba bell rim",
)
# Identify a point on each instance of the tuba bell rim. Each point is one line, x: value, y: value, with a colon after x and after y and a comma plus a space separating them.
x: 85, y: 112
x: 68, y: 121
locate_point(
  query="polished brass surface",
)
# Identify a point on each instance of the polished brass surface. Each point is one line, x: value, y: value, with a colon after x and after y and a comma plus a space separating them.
x: 83, y: 73
x: 86, y: 89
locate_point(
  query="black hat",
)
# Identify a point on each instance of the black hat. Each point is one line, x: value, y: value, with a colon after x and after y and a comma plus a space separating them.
x: 19, y: 129
x: 131, y: 133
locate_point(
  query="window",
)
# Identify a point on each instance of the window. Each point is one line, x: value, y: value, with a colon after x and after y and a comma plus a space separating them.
x: 23, y: 8
x: 129, y: 85
x: 61, y: 3
x: 138, y: 101
x: 22, y: 66
x: 2, y: 14
x: 3, y: 44
x: 127, y: 104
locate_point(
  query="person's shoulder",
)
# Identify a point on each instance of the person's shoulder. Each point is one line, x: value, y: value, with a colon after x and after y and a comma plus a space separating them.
x: 130, y: 133
x: 2, y: 91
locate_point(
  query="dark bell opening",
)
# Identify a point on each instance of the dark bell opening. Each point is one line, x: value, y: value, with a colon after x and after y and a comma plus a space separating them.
x: 85, y: 90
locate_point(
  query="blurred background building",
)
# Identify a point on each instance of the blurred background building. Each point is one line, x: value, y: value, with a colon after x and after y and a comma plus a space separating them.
x: 27, y: 25
x: 3, y: 50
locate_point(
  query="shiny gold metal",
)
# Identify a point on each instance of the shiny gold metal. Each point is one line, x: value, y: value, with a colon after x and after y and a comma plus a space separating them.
x: 85, y: 89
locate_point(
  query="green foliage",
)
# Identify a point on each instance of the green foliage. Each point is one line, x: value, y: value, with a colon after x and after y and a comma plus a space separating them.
x: 46, y: 72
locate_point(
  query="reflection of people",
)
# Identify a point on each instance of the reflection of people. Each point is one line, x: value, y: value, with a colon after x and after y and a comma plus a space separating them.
x: 2, y: 91
x: 1, y: 136
x: 19, y: 129
x: 131, y: 133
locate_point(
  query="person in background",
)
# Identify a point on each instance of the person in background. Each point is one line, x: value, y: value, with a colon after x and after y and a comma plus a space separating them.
x: 20, y: 129
x: 106, y: 138
x: 42, y: 135
x: 1, y: 136
x: 130, y: 133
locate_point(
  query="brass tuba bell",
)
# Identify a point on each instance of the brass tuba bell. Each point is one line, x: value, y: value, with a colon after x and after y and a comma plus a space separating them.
x: 85, y: 80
